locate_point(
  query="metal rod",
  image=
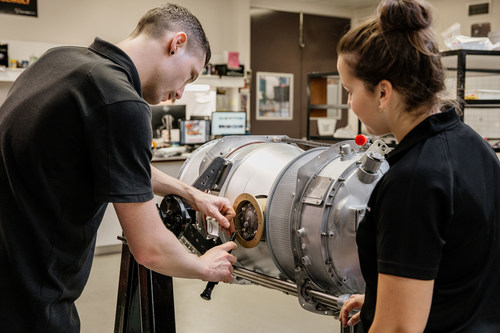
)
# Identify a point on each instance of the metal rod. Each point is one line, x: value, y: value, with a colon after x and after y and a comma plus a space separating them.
x: 286, y: 287
x: 324, y: 298
x: 266, y: 281
x: 301, y: 30
x: 305, y: 142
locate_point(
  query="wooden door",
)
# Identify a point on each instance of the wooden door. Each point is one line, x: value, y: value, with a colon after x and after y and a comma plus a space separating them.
x: 276, y: 47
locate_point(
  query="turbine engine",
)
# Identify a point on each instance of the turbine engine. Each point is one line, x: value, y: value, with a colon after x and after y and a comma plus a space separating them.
x: 297, y: 212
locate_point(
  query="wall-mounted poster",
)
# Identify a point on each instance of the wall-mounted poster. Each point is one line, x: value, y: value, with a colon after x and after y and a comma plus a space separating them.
x: 274, y: 96
x: 19, y: 7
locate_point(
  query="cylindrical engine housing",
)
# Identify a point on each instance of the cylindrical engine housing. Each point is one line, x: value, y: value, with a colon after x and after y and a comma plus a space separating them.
x: 297, y: 211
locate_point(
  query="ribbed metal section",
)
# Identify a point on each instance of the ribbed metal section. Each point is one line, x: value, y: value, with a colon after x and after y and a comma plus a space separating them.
x: 279, y: 214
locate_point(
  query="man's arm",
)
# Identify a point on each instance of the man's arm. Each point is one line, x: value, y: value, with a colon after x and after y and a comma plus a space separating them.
x: 218, y: 207
x: 403, y: 304
x: 156, y: 248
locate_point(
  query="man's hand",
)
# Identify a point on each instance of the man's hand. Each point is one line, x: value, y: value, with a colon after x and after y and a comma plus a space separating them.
x: 354, y: 302
x: 219, y: 208
x: 219, y: 262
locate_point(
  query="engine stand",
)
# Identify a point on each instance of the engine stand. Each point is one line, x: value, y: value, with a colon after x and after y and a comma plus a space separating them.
x: 145, y: 300
x: 351, y: 329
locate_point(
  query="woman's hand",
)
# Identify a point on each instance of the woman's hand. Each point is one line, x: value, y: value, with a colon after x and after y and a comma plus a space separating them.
x: 354, y: 302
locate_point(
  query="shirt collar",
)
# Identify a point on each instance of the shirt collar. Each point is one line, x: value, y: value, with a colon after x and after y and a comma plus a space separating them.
x: 427, y: 128
x: 115, y: 54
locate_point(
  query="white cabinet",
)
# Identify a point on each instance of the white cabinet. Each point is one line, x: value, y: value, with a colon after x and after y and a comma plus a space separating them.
x: 10, y: 74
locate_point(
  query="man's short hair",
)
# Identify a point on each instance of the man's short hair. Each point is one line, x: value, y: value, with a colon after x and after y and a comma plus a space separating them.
x: 171, y: 17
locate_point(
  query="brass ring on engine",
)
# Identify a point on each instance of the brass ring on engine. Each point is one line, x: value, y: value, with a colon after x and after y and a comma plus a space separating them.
x: 259, y: 205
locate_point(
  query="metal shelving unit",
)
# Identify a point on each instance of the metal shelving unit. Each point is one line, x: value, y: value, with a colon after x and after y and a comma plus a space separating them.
x: 464, y: 63
x: 317, y: 102
x: 473, y: 63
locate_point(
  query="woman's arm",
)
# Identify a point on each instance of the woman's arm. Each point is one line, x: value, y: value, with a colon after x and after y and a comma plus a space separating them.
x: 403, y: 304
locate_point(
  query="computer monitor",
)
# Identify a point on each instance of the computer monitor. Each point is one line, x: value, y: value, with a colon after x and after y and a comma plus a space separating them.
x: 229, y: 123
x: 197, y: 117
x: 195, y: 132
x: 166, y: 116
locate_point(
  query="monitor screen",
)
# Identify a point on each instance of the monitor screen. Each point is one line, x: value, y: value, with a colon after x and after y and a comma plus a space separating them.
x: 194, y: 132
x: 166, y: 117
x: 229, y: 122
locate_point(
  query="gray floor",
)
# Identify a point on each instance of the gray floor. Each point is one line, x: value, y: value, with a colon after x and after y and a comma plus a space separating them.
x: 233, y: 308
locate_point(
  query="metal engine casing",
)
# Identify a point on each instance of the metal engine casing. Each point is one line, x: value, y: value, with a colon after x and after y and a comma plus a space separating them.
x: 304, y: 207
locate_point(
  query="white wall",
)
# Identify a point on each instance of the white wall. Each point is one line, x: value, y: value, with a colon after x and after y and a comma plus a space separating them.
x: 227, y: 22
x: 299, y: 6
x: 447, y: 12
x: 75, y: 22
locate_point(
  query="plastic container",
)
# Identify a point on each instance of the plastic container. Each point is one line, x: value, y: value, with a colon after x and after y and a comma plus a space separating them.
x: 482, y: 94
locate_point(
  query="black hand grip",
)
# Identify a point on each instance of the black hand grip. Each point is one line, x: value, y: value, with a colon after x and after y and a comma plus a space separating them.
x: 207, y: 293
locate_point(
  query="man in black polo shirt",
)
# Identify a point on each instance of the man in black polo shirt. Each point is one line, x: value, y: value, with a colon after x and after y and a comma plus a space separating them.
x: 75, y: 134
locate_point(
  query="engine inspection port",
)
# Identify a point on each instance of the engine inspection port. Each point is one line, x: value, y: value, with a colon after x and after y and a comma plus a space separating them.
x: 249, y: 220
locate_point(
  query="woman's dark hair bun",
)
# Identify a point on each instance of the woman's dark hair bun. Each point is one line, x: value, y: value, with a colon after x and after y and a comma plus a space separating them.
x: 403, y: 15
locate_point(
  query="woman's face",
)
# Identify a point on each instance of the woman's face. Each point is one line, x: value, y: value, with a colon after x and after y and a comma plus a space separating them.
x: 364, y: 103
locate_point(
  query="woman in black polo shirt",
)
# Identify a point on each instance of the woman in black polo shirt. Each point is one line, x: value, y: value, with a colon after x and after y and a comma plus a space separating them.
x: 429, y: 246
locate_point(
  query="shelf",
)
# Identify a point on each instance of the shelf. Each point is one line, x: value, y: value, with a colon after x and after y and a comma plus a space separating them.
x: 477, y: 113
x: 471, y: 61
x: 326, y: 99
x: 476, y: 70
x: 483, y: 103
x: 10, y: 74
x: 221, y: 81
x: 470, y: 52
x: 475, y: 61
x: 328, y: 106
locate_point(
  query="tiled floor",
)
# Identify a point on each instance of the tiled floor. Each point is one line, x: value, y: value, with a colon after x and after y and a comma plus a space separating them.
x: 233, y: 308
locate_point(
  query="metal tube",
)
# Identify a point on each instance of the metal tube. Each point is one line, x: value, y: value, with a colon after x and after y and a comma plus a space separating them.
x: 286, y: 287
x: 324, y: 298
x: 266, y: 281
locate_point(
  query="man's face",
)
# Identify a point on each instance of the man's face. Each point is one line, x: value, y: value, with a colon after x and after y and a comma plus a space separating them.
x: 172, y: 75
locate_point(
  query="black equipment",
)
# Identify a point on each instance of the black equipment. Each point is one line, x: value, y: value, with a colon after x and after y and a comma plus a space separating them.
x: 145, y: 299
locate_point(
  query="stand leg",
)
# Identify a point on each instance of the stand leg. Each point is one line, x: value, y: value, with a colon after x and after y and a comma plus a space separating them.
x: 145, y: 300
x: 349, y: 329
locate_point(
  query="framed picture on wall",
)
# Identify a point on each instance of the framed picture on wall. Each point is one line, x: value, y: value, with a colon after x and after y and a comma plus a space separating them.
x: 18, y: 7
x: 274, y: 96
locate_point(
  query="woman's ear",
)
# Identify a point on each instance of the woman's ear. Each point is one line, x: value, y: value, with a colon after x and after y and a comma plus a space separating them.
x: 384, y: 90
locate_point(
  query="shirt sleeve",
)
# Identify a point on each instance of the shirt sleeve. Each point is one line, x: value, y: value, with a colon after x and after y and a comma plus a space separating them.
x: 414, y: 211
x: 119, y: 139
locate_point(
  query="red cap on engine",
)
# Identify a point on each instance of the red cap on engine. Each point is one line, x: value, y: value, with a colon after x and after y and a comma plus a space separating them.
x: 361, y: 140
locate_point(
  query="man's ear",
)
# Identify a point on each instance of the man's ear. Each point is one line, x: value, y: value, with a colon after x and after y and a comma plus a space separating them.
x: 384, y: 90
x: 179, y: 40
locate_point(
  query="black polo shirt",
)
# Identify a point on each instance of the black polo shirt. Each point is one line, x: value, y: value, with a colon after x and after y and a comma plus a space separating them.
x: 435, y: 215
x: 75, y: 134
